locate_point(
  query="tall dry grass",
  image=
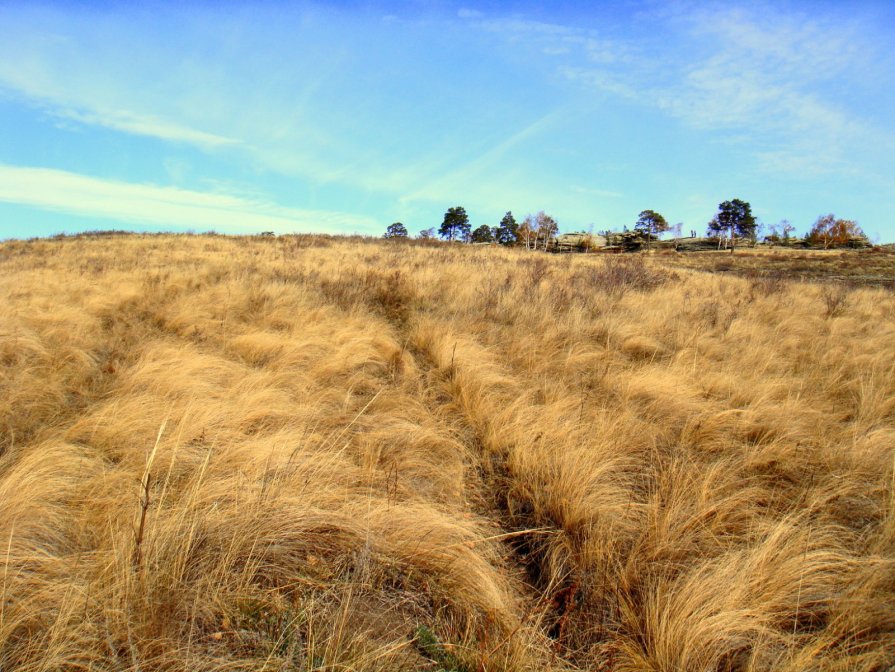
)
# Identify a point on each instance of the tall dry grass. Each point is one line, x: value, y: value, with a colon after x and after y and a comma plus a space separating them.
x: 313, y: 454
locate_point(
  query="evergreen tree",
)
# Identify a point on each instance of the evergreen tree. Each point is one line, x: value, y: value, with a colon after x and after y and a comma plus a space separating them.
x: 455, y: 225
x: 483, y: 234
x: 650, y: 223
x: 735, y: 218
x: 396, y: 230
x: 507, y: 232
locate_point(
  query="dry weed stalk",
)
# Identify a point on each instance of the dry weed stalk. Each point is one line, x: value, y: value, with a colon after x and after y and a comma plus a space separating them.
x: 145, y: 484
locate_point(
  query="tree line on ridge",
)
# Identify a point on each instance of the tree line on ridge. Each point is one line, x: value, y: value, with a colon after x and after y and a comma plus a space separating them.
x: 733, y: 222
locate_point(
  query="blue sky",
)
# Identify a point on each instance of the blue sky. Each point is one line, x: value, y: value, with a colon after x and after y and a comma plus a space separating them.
x: 343, y: 117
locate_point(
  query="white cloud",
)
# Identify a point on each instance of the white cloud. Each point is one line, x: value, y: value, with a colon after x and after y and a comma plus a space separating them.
x: 128, y: 122
x: 77, y: 194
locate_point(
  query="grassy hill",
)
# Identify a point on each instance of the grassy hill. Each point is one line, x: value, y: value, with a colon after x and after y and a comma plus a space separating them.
x: 318, y: 454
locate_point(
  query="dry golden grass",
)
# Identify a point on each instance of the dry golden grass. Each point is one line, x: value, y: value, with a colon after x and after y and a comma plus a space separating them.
x: 316, y: 454
x: 873, y: 267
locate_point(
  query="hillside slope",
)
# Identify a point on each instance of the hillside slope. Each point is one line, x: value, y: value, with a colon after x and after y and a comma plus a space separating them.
x: 307, y: 454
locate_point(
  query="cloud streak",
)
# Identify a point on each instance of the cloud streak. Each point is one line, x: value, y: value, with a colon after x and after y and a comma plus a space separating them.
x: 136, y: 124
x: 102, y: 73
x: 85, y: 196
x: 477, y: 170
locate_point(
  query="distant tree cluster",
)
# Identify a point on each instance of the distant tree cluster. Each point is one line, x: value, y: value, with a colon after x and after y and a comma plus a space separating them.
x: 780, y: 232
x: 733, y: 222
x: 536, y: 231
x: 829, y: 231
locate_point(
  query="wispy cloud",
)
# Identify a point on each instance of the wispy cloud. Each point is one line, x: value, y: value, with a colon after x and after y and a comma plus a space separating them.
x: 129, y: 122
x: 765, y: 80
x: 51, y: 94
x: 100, y: 73
x: 758, y: 71
x: 476, y: 171
x: 757, y: 77
x: 82, y: 195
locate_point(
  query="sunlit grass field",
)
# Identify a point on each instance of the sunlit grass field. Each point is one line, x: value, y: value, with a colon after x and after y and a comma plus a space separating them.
x: 305, y: 453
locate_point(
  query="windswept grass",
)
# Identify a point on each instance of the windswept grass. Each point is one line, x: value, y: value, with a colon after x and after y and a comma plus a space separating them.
x: 319, y: 454
x: 874, y: 267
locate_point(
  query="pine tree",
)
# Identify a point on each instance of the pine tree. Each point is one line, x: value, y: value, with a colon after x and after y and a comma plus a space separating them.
x: 455, y: 224
x: 483, y: 234
x: 735, y: 218
x: 650, y: 223
x: 396, y: 230
x: 507, y: 232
